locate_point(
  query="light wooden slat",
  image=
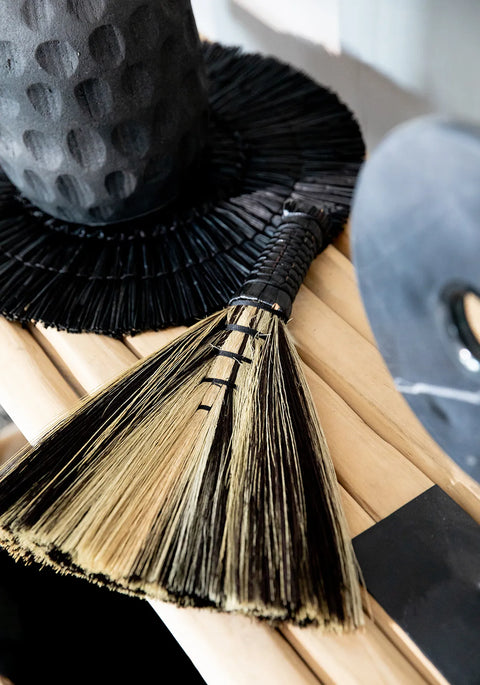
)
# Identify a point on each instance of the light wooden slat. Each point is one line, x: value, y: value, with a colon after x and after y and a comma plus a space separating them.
x: 32, y: 393
x: 348, y: 659
x: 357, y: 518
x: 354, y: 368
x: 100, y: 357
x: 226, y: 649
x: 145, y: 343
x: 11, y: 440
x: 403, y: 641
x: 365, y: 463
x: 332, y: 279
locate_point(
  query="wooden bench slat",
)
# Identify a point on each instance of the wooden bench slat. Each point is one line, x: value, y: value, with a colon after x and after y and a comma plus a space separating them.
x: 354, y: 368
x: 366, y: 657
x: 91, y: 355
x: 33, y: 393
x: 332, y: 279
x: 11, y: 441
x: 375, y: 473
x: 235, y: 649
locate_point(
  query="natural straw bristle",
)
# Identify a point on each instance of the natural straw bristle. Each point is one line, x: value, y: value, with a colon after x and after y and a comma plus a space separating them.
x: 202, y: 477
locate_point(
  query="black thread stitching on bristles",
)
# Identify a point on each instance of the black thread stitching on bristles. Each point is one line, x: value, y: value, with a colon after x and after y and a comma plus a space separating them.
x: 234, y: 355
x: 244, y: 329
x: 259, y: 304
x: 219, y: 382
x: 206, y: 407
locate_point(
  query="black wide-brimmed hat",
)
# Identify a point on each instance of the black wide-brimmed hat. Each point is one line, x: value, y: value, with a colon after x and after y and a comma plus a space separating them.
x: 145, y: 170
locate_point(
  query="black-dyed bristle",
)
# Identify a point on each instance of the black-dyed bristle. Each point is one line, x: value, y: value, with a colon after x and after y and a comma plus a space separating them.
x: 274, y: 134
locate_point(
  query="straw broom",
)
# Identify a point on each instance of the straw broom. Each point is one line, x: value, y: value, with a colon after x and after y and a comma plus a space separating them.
x: 201, y: 476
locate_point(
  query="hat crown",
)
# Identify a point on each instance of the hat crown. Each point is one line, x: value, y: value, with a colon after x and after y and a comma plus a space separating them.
x: 103, y: 104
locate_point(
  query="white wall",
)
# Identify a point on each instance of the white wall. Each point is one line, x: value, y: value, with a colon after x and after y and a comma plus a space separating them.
x: 430, y: 47
x: 390, y: 60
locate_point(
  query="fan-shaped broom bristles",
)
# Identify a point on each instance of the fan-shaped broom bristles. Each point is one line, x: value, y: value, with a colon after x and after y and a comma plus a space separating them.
x: 201, y: 476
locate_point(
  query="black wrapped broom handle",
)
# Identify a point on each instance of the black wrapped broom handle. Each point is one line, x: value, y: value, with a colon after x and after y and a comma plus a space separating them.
x: 282, y: 266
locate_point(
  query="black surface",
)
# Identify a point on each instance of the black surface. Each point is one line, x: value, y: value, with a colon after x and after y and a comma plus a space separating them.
x: 422, y: 564
x: 60, y: 630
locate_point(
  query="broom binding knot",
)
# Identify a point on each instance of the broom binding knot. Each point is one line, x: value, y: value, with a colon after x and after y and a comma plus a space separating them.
x: 282, y: 267
x: 243, y: 329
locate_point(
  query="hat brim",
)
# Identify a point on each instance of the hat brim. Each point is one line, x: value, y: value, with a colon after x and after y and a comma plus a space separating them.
x: 273, y: 132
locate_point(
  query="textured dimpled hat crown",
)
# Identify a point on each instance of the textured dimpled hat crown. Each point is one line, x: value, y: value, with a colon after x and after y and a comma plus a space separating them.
x: 146, y: 170
x: 103, y: 104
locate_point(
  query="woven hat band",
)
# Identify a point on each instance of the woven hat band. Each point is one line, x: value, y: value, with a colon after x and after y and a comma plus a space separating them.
x: 103, y: 104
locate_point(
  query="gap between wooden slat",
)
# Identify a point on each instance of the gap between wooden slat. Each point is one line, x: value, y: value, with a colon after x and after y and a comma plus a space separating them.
x: 332, y: 279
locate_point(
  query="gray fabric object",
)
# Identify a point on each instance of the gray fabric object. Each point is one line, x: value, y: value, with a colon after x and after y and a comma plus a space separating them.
x: 416, y: 246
